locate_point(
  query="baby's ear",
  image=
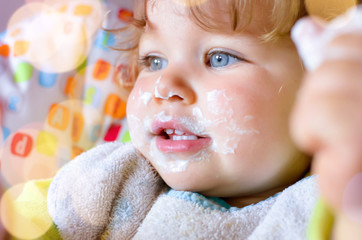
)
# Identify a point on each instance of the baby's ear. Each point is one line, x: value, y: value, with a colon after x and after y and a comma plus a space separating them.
x: 125, y: 76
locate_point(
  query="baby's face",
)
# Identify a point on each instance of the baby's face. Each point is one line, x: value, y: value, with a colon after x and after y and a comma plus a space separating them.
x: 210, y: 110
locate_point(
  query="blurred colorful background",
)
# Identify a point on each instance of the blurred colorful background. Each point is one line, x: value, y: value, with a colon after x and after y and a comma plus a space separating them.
x: 59, y: 88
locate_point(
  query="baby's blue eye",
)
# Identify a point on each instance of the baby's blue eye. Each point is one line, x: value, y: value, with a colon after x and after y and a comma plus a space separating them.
x: 220, y: 59
x: 157, y: 63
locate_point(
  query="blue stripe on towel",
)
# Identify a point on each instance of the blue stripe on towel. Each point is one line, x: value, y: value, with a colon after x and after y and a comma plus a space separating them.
x: 212, y: 203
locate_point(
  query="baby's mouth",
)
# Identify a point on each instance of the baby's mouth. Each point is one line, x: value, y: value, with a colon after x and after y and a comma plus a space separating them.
x: 177, y: 135
x: 172, y: 137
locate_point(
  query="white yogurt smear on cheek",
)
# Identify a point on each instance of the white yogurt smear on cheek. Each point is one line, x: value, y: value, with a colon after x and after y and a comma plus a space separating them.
x: 146, y: 97
x: 219, y: 105
x: 138, y: 131
x: 157, y: 93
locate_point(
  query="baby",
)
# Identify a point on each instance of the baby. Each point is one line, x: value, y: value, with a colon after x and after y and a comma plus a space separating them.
x: 209, y: 110
x: 209, y: 107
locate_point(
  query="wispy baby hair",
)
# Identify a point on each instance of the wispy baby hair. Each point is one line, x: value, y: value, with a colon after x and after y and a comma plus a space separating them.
x: 230, y: 16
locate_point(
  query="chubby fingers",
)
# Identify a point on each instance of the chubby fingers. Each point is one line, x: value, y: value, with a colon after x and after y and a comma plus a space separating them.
x: 327, y: 122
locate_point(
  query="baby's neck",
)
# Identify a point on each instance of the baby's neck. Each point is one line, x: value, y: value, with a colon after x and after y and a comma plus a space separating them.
x: 244, y: 201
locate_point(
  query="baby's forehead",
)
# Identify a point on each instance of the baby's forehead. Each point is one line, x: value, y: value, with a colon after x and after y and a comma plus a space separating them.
x: 234, y: 16
x: 212, y: 16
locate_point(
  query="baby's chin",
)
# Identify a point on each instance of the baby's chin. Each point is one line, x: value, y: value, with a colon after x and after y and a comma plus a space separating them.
x: 212, y: 186
x: 200, y: 183
x: 183, y: 180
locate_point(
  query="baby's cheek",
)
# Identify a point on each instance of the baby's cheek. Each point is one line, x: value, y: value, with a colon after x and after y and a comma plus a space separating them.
x: 228, y: 121
x: 137, y: 123
x: 134, y: 132
x: 218, y: 104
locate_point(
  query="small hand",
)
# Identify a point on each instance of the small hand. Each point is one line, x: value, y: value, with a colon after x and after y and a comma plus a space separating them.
x: 327, y: 122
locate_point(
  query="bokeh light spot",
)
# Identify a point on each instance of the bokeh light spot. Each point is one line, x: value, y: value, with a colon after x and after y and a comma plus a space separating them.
x: 19, y: 216
x: 56, y: 36
x: 27, y: 11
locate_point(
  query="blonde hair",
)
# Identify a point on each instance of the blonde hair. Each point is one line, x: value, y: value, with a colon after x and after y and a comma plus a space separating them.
x: 239, y: 14
x: 283, y: 14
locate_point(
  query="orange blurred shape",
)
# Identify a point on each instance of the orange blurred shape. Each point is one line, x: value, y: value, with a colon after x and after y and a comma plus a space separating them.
x: 83, y: 10
x: 101, y: 70
x: 69, y: 87
x: 15, y: 32
x: 125, y: 15
x: 20, y: 48
x: 58, y: 117
x: 115, y: 107
x: 77, y: 127
x: 63, y: 9
x: 4, y: 50
x: 76, y: 151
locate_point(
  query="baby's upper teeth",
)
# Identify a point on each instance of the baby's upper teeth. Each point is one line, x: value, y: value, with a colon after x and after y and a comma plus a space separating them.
x: 172, y: 131
x: 169, y: 131
x: 177, y: 132
x: 184, y: 137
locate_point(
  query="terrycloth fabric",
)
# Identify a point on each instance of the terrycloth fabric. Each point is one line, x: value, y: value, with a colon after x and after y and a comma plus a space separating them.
x: 106, y: 191
x: 111, y: 192
x: 192, y: 216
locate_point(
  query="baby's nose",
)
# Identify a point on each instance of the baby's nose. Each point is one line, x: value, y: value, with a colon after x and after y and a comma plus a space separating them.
x: 173, y: 91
